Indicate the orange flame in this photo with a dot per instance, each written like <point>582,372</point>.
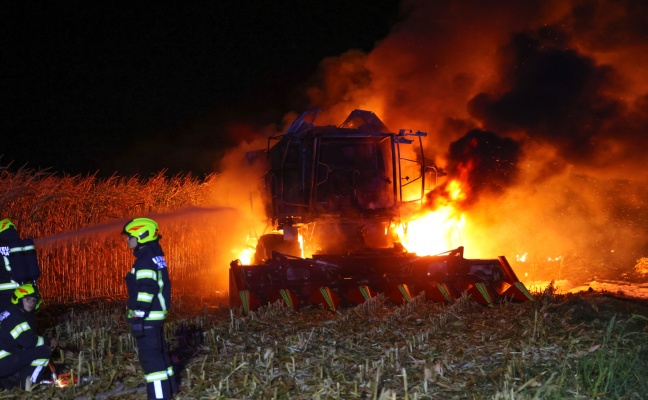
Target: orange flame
<point>435,231</point>
<point>432,233</point>
<point>246,254</point>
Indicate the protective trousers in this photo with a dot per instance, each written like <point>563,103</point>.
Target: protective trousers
<point>161,382</point>
<point>28,363</point>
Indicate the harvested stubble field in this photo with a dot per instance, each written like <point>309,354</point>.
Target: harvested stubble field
<point>583,346</point>
<point>568,346</point>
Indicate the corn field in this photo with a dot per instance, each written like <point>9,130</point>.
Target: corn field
<point>76,223</point>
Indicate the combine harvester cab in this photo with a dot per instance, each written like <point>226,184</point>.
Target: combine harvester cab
<point>331,196</point>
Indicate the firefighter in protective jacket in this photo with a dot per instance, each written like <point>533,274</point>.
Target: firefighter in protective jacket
<point>23,354</point>
<point>18,262</point>
<point>149,298</point>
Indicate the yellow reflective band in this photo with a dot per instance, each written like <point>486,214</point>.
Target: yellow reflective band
<point>146,274</point>
<point>170,371</point>
<point>41,362</point>
<point>20,328</point>
<point>145,297</point>
<point>365,292</point>
<point>25,248</point>
<point>484,292</point>
<point>9,286</point>
<point>444,291</point>
<point>326,293</point>
<point>3,354</point>
<point>156,316</point>
<point>163,304</point>
<point>405,292</point>
<point>286,296</point>
<point>156,376</point>
<point>40,341</point>
<point>524,290</point>
<point>7,263</point>
<point>245,300</point>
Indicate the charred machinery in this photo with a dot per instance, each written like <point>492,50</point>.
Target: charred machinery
<point>331,196</point>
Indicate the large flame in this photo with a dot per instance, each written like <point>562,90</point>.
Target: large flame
<point>577,184</point>
<point>245,254</point>
<point>432,233</point>
<point>435,230</point>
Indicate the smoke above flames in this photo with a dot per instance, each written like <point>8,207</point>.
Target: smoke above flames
<point>540,108</point>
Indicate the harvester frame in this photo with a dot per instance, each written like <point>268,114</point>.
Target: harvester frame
<point>339,189</point>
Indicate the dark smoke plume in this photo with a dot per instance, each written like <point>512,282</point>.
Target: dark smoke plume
<point>541,107</point>
<point>484,162</point>
<point>558,96</point>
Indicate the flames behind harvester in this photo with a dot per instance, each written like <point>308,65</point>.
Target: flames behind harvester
<point>334,193</point>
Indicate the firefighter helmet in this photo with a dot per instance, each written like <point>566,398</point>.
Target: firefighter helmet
<point>144,229</point>
<point>27,290</point>
<point>6,224</point>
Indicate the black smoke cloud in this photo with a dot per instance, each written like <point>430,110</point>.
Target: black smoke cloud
<point>585,135</point>
<point>484,162</point>
<point>555,95</point>
<point>541,107</point>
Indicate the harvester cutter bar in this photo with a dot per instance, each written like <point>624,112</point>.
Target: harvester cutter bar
<point>351,278</point>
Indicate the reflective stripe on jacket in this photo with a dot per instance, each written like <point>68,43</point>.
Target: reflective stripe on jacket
<point>148,284</point>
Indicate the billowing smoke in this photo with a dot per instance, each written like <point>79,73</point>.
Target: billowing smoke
<point>238,186</point>
<point>484,162</point>
<point>541,107</point>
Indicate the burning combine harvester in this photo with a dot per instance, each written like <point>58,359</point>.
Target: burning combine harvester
<point>335,194</point>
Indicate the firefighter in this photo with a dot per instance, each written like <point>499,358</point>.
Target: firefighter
<point>18,262</point>
<point>149,298</point>
<point>23,354</point>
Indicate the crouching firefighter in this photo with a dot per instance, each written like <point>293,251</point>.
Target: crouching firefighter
<point>23,354</point>
<point>18,262</point>
<point>149,297</point>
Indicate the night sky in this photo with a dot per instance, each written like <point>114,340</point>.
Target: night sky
<point>136,89</point>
